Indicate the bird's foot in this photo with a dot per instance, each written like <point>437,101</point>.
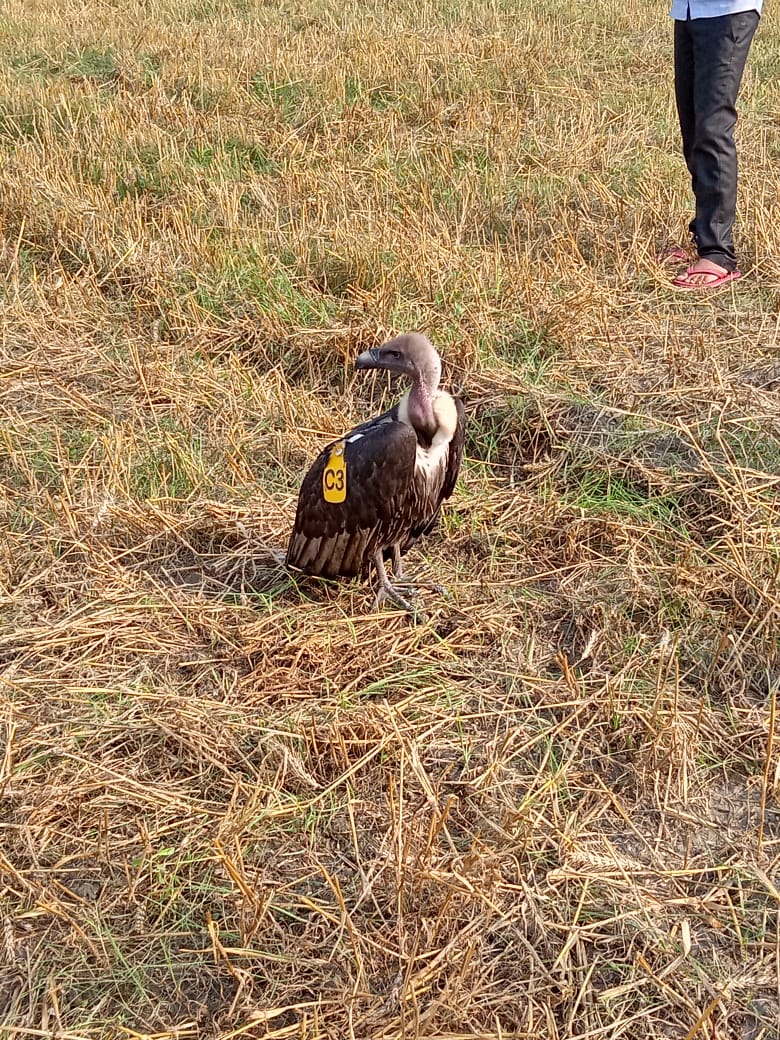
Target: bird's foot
<point>440,590</point>
<point>401,581</point>
<point>389,592</point>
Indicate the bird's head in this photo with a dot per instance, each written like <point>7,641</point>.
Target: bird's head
<point>412,355</point>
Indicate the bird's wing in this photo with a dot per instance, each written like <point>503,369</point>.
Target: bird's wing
<point>354,500</point>
<point>456,451</point>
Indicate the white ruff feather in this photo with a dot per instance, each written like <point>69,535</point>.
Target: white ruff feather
<point>433,461</point>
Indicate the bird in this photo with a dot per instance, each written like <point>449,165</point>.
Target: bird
<point>372,493</point>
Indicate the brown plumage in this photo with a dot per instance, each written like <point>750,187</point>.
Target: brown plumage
<point>370,495</point>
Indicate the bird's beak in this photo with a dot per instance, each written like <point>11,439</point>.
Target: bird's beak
<point>368,359</point>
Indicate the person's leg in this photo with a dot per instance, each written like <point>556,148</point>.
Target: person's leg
<point>686,114</point>
<point>683,90</point>
<point>720,47</point>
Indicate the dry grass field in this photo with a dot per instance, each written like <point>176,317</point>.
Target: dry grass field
<point>235,803</point>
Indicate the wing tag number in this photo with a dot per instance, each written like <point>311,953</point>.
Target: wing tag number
<point>334,477</point>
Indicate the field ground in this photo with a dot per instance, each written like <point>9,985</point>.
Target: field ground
<point>236,804</point>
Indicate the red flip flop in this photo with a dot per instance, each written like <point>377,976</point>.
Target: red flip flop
<point>715,281</point>
<point>672,255</point>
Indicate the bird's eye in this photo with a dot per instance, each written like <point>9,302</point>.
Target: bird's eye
<point>395,354</point>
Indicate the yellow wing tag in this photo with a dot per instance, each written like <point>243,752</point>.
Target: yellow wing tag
<point>334,477</point>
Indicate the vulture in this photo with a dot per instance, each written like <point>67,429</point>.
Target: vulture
<point>371,494</point>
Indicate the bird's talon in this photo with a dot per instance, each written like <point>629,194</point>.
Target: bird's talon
<point>391,593</point>
<point>408,589</point>
<point>414,590</point>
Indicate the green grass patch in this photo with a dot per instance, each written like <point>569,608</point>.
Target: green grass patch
<point>598,491</point>
<point>90,63</point>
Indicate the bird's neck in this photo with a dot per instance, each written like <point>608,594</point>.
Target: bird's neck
<point>420,408</point>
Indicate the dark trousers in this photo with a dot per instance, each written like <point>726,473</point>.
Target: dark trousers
<point>709,59</point>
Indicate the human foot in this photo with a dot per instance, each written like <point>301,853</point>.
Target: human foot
<point>704,274</point>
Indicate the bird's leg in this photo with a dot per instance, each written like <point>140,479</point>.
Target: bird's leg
<point>411,587</point>
<point>399,573</point>
<point>398,567</point>
<point>387,590</point>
